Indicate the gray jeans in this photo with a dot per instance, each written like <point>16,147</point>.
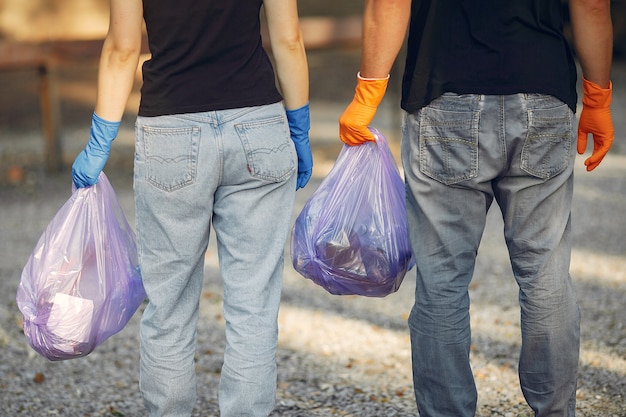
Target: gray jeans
<point>459,153</point>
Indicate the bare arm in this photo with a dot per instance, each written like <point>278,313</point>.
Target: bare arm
<point>385,24</point>
<point>593,38</point>
<point>288,49</point>
<point>119,58</point>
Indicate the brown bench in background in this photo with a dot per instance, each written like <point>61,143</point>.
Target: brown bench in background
<point>46,57</point>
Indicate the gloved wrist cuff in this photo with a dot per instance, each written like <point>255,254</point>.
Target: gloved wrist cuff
<point>595,96</point>
<point>370,92</point>
<point>300,110</point>
<point>360,77</point>
<point>299,121</point>
<point>97,119</point>
<point>104,130</point>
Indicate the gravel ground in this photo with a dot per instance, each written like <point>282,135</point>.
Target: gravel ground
<point>338,356</point>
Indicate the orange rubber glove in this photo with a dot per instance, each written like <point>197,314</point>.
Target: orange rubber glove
<point>354,122</point>
<point>595,118</point>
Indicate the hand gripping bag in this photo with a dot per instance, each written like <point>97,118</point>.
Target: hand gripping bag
<point>351,236</point>
<point>81,283</point>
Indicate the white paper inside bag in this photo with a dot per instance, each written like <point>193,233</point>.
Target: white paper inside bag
<point>70,319</point>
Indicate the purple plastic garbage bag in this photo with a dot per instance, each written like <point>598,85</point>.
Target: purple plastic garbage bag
<point>81,283</point>
<point>351,236</point>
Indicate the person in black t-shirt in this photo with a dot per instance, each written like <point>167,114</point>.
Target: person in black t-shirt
<point>217,145</point>
<point>489,91</point>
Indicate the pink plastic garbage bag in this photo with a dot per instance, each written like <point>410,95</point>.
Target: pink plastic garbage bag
<point>351,236</point>
<point>81,283</point>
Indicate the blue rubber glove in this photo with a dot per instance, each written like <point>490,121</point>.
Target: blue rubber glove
<point>299,123</point>
<point>90,162</point>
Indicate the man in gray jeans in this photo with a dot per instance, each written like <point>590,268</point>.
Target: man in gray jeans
<point>489,91</point>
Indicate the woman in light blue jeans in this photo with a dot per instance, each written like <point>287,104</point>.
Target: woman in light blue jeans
<point>221,141</point>
<point>459,154</point>
<point>234,169</point>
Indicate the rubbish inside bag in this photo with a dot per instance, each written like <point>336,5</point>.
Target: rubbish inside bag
<point>82,282</point>
<point>351,236</point>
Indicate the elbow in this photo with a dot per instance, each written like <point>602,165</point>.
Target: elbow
<point>121,52</point>
<point>600,6</point>
<point>592,7</point>
<point>291,43</point>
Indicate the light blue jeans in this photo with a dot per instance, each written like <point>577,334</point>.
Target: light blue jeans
<point>235,169</point>
<point>459,153</point>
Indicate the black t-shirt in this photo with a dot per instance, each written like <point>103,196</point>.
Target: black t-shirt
<point>493,47</point>
<point>206,55</point>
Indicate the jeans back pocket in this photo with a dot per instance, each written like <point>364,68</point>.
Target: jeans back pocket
<point>269,151</point>
<point>548,147</point>
<point>171,155</point>
<point>448,144</point>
